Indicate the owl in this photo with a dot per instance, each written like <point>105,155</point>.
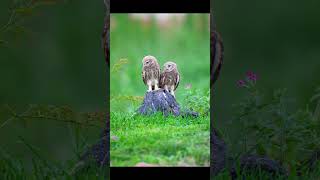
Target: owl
<point>170,77</point>
<point>150,72</point>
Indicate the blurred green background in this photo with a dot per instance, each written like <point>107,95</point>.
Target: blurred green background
<point>182,38</point>
<point>53,56</point>
<point>278,40</point>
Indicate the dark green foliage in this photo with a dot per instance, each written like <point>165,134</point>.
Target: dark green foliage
<point>253,175</point>
<point>19,11</point>
<point>273,126</point>
<point>39,164</point>
<point>12,167</point>
<point>197,100</point>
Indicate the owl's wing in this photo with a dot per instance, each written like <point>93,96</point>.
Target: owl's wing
<point>161,82</point>
<point>158,71</point>
<point>177,80</point>
<point>144,77</point>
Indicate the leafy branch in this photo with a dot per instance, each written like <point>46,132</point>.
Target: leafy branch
<point>18,13</point>
<point>118,65</point>
<point>56,113</point>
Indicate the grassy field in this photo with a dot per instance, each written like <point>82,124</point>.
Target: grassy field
<point>13,168</point>
<point>160,141</point>
<point>155,139</point>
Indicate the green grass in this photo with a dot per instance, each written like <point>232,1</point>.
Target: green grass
<point>29,159</point>
<point>14,167</point>
<point>312,175</point>
<point>163,141</point>
<point>293,174</point>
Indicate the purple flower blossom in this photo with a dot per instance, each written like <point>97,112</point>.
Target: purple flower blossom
<point>251,76</point>
<point>249,81</point>
<point>241,83</point>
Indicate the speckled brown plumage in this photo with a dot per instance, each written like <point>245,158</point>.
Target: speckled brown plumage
<point>150,72</point>
<point>170,77</point>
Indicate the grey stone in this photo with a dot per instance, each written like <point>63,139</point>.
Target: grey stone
<point>162,101</point>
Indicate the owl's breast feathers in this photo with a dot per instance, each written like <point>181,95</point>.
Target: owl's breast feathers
<point>150,73</point>
<point>169,79</point>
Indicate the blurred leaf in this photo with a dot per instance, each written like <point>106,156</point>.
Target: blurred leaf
<point>261,149</point>
<point>24,10</point>
<point>2,42</point>
<point>18,29</point>
<point>46,2</point>
<point>315,97</point>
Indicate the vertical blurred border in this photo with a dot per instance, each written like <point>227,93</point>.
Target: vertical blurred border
<point>216,61</point>
<point>106,47</point>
